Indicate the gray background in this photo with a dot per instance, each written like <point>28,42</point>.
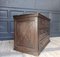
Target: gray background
<point>8,8</point>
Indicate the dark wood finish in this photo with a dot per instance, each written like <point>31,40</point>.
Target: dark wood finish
<point>31,33</point>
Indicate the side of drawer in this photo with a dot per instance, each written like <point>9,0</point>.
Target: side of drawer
<point>43,43</point>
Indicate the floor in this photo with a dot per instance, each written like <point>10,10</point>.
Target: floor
<point>51,50</point>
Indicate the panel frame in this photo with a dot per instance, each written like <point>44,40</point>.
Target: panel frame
<point>6,14</point>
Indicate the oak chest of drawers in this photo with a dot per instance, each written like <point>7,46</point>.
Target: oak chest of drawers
<point>31,33</point>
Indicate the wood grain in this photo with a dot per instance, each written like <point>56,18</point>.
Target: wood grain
<point>31,33</point>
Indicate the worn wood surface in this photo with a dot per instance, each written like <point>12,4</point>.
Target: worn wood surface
<point>31,33</point>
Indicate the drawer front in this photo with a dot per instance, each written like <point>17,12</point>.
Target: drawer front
<point>43,33</point>
<point>43,43</point>
<point>43,23</point>
<point>42,36</point>
<point>44,30</point>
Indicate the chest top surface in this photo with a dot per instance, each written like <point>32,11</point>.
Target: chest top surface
<point>30,15</point>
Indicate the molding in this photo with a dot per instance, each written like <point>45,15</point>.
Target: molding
<point>1,39</point>
<point>5,13</point>
<point>30,9</point>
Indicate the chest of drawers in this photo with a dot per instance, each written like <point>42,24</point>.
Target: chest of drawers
<point>31,33</point>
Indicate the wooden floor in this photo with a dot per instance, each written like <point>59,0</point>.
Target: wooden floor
<point>51,50</point>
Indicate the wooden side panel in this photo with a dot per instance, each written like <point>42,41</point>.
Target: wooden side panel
<point>26,36</point>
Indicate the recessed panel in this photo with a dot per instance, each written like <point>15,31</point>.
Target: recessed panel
<point>12,27</point>
<point>3,35</point>
<point>3,14</point>
<point>3,27</point>
<point>15,13</point>
<point>26,32</point>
